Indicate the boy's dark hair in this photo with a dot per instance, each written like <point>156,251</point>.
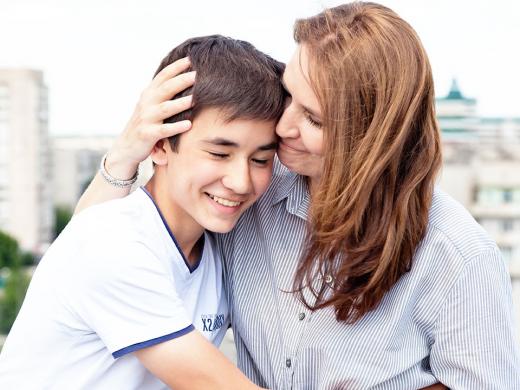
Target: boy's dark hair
<point>232,75</point>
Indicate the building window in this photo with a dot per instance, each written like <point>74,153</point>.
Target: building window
<point>4,174</point>
<point>507,253</point>
<point>507,225</point>
<point>516,195</point>
<point>495,196</point>
<point>4,90</point>
<point>492,225</point>
<point>508,195</point>
<point>490,196</point>
<point>4,102</point>
<point>4,210</point>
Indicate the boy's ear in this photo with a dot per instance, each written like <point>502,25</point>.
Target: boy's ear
<point>159,153</point>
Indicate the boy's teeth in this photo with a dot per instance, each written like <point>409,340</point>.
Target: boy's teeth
<point>224,202</point>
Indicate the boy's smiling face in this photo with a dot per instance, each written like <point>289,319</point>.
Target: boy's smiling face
<point>219,169</point>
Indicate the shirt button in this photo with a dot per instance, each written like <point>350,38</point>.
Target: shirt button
<point>328,279</point>
<point>288,363</point>
<point>301,316</point>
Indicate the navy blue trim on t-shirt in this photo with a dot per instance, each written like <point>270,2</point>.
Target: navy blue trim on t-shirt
<point>149,343</point>
<point>197,263</point>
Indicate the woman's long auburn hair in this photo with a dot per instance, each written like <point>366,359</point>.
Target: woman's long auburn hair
<point>382,153</point>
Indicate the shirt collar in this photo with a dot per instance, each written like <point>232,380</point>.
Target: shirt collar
<point>294,189</point>
<point>172,236</point>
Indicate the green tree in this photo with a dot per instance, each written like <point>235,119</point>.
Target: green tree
<point>27,258</point>
<point>13,279</point>
<point>10,254</point>
<point>12,298</point>
<point>63,215</point>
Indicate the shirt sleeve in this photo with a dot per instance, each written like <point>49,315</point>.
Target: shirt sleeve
<point>475,345</point>
<point>127,297</point>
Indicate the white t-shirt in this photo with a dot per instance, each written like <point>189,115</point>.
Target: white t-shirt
<point>113,282</point>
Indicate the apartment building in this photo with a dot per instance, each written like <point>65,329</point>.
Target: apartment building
<point>25,196</point>
<point>482,171</point>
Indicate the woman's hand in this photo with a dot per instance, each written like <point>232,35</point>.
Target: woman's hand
<point>146,126</point>
<point>143,130</point>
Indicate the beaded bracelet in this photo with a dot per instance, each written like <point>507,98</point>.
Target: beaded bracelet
<point>112,180</point>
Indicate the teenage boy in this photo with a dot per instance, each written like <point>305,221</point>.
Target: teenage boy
<point>130,295</point>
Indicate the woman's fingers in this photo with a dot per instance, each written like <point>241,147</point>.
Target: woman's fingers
<point>146,126</point>
<point>170,129</point>
<point>171,71</point>
<point>155,94</point>
<point>159,112</point>
<point>175,85</point>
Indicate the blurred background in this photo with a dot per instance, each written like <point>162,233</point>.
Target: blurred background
<point>71,72</point>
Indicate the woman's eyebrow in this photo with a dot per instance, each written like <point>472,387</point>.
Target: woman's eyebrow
<point>270,146</point>
<point>309,110</point>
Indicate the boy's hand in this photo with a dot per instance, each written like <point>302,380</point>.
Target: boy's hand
<point>437,386</point>
<point>146,125</point>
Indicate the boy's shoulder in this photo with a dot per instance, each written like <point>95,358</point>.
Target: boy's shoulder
<point>118,219</point>
<point>114,229</point>
<point>113,212</point>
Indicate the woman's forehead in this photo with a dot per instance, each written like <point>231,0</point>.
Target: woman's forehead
<point>297,81</point>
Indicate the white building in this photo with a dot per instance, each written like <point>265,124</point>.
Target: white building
<point>460,123</point>
<point>75,161</point>
<point>482,171</point>
<point>25,195</point>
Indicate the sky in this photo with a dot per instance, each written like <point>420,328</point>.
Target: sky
<point>98,55</point>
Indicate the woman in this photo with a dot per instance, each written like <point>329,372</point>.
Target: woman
<point>352,271</point>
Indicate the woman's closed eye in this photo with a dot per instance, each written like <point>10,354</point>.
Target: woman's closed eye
<point>313,121</point>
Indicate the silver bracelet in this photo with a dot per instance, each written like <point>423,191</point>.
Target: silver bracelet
<point>112,180</point>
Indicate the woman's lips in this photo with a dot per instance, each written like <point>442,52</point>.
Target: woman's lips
<point>284,145</point>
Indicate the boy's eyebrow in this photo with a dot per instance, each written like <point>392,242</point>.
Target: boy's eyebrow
<point>220,142</point>
<point>226,142</point>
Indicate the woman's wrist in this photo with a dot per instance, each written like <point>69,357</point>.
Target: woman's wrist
<point>120,167</point>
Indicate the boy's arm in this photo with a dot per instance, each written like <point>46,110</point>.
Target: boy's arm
<point>121,292</point>
<point>192,362</point>
<point>144,129</point>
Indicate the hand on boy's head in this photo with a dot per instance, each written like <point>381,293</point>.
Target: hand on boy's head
<point>146,126</point>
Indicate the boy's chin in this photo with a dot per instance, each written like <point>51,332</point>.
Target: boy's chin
<point>220,227</point>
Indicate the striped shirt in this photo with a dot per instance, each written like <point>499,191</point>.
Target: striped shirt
<point>449,319</point>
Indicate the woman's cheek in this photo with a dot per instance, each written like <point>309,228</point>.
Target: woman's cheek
<point>314,142</point>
